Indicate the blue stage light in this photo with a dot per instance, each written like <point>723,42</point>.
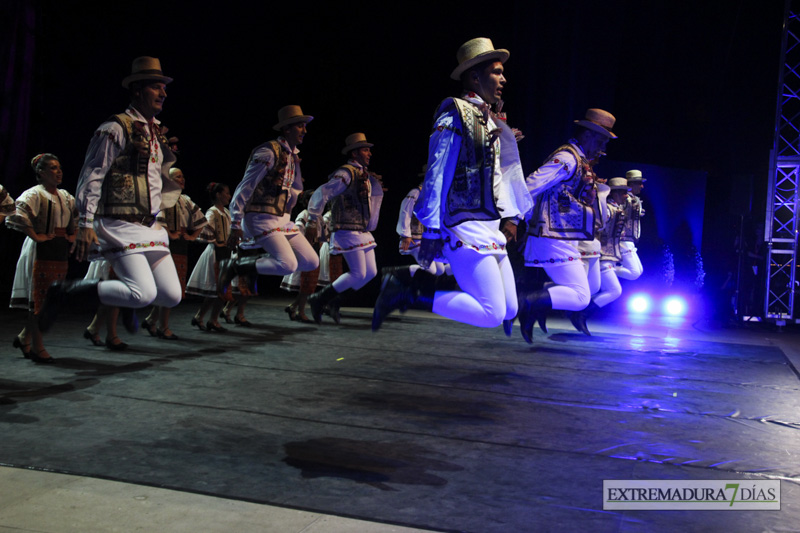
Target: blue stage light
<point>675,306</point>
<point>639,303</point>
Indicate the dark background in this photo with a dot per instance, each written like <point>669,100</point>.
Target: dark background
<point>693,86</point>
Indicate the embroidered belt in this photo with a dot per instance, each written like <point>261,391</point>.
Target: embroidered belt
<point>146,220</point>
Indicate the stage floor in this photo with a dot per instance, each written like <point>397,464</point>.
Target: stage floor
<point>426,424</point>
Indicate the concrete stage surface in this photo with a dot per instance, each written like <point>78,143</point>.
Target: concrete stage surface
<point>427,424</point>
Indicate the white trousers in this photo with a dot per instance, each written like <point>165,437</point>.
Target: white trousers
<point>286,255</point>
<point>610,289</point>
<point>631,267</point>
<point>571,290</point>
<point>362,268</point>
<point>144,279</point>
<point>488,293</point>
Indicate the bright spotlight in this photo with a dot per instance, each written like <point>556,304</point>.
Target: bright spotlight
<point>639,303</point>
<point>674,306</point>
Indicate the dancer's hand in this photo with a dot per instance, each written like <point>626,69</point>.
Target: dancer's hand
<point>84,240</point>
<point>405,243</point>
<point>235,238</point>
<point>429,250</point>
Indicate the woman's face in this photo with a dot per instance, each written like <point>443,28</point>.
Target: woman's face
<point>51,174</point>
<point>224,196</point>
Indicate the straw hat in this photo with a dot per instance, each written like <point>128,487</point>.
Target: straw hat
<point>618,183</point>
<point>599,121</point>
<point>145,68</point>
<point>289,115</point>
<point>355,140</point>
<point>477,51</point>
<point>635,175</point>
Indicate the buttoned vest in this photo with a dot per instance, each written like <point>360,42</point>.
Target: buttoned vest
<point>557,212</point>
<point>270,197</point>
<point>471,192</point>
<point>126,190</point>
<point>350,210</point>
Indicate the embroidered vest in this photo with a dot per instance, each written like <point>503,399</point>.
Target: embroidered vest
<point>126,190</point>
<point>350,210</point>
<point>609,235</point>
<point>269,197</point>
<point>557,212</point>
<point>471,192</point>
<point>633,222</point>
<point>416,227</point>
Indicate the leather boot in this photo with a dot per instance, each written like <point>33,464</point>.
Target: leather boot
<point>533,308</point>
<point>578,318</point>
<point>332,309</point>
<point>230,268</point>
<point>319,300</point>
<point>397,295</point>
<point>77,294</point>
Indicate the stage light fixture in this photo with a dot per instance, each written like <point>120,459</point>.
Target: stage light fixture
<point>639,303</point>
<point>675,306</point>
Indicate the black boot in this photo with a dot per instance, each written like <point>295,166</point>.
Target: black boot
<point>230,268</point>
<point>332,309</point>
<point>508,325</point>
<point>578,318</point>
<point>319,300</point>
<point>534,307</point>
<point>397,295</point>
<point>77,294</point>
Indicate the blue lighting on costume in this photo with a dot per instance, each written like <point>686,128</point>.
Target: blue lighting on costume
<point>675,306</point>
<point>639,303</point>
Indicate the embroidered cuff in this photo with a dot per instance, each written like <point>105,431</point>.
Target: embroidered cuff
<point>431,233</point>
<point>86,221</point>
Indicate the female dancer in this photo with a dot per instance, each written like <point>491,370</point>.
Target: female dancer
<point>46,214</point>
<point>203,281</point>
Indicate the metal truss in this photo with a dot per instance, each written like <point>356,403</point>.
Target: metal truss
<point>781,228</point>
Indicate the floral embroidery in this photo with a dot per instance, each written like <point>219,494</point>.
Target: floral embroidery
<point>555,260</point>
<point>354,247</point>
<point>135,246</point>
<point>279,230</point>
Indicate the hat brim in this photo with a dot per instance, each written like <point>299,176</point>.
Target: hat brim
<point>144,77</point>
<point>597,127</point>
<point>347,149</point>
<point>299,118</point>
<point>499,55</point>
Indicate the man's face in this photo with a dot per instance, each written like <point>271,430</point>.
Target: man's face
<point>593,143</point>
<point>636,187</point>
<point>362,155</point>
<point>149,99</point>
<point>490,83</point>
<point>294,133</point>
<point>618,195</point>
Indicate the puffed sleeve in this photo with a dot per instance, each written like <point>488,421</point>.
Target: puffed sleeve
<point>406,212</point>
<point>196,217</point>
<point>26,212</point>
<point>558,168</point>
<point>336,185</point>
<point>443,148</point>
<point>261,161</point>
<point>6,202</point>
<point>105,146</point>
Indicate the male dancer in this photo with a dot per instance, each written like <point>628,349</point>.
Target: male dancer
<point>472,198</point>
